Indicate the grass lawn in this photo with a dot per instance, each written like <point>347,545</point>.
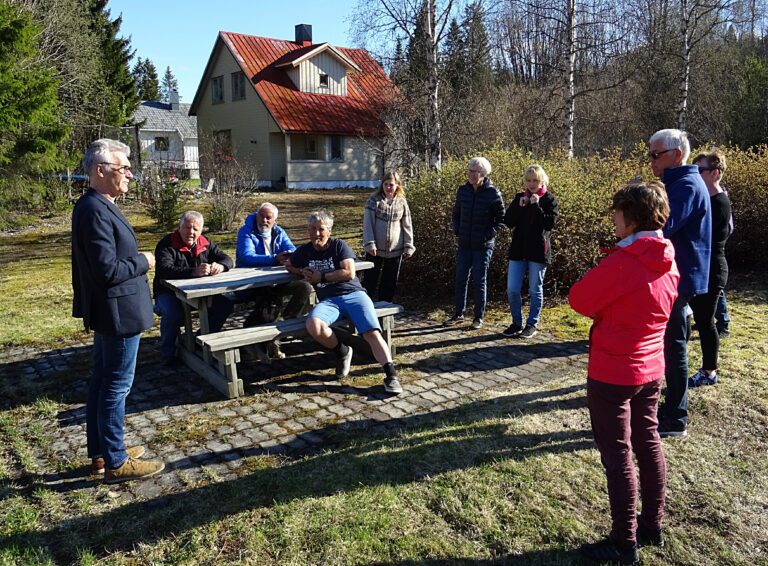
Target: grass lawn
<point>507,478</point>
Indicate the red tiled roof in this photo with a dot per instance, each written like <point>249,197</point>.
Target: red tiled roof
<point>368,91</point>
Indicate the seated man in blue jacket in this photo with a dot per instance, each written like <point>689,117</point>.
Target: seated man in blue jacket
<point>183,254</point>
<point>260,243</point>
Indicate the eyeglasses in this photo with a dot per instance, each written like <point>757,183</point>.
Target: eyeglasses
<point>654,155</point>
<point>477,171</point>
<point>118,167</point>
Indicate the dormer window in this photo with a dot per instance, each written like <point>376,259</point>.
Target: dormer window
<point>323,80</point>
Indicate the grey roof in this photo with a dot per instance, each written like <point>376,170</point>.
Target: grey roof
<point>159,116</point>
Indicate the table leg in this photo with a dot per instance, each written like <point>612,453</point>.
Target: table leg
<point>205,325</point>
<point>189,335</point>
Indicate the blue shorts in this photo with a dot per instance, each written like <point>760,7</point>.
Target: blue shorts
<point>356,306</point>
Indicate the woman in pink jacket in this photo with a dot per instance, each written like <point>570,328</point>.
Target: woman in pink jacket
<point>629,295</point>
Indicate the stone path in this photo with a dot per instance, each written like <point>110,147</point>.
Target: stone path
<point>292,406</point>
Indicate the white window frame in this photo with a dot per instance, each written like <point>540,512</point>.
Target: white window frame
<point>327,81</point>
<point>238,86</point>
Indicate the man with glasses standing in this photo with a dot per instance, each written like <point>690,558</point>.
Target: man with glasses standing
<point>689,227</point>
<point>111,295</point>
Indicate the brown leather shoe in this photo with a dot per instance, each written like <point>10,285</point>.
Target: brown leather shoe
<point>133,470</point>
<point>97,464</point>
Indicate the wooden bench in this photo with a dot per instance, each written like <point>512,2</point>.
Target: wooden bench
<point>224,346</point>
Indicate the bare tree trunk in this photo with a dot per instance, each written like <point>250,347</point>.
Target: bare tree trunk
<point>434,137</point>
<point>571,87</point>
<point>682,115</point>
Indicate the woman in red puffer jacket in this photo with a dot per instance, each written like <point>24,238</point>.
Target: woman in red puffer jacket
<point>630,295</point>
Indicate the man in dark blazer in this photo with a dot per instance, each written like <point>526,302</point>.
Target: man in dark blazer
<point>111,295</point>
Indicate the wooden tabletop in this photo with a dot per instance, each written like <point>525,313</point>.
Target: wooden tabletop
<point>238,279</point>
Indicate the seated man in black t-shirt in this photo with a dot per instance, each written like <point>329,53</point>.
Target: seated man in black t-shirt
<point>329,265</point>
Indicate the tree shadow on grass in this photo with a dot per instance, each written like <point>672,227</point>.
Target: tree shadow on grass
<point>530,558</point>
<point>368,453</point>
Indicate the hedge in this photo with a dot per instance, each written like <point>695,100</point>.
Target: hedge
<point>583,187</point>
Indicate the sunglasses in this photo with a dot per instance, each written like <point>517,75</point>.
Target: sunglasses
<point>705,169</point>
<point>653,156</point>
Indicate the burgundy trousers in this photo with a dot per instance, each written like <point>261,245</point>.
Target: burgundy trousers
<point>624,420</point>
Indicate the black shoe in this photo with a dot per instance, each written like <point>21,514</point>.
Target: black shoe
<point>512,330</point>
<point>671,430</point>
<point>724,333</point>
<point>454,320</point>
<point>343,364</point>
<point>607,551</point>
<point>647,536</point>
<point>392,385</point>
<point>529,331</point>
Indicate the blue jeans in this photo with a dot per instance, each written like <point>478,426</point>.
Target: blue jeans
<point>474,262</point>
<point>676,371</point>
<point>722,320</point>
<point>171,313</point>
<point>114,363</point>
<point>515,274</point>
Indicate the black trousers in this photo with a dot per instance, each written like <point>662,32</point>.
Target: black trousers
<point>703,307</point>
<point>383,276</point>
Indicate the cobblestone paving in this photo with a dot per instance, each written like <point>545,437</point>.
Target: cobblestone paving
<point>291,406</point>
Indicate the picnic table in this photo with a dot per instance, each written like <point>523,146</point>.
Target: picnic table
<point>218,365</point>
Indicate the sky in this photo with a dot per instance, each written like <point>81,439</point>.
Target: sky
<point>181,33</point>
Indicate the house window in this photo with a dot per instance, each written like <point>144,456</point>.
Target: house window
<point>217,89</point>
<point>162,144</point>
<point>324,80</point>
<point>336,151</point>
<point>238,86</point>
<point>304,147</point>
<point>310,147</point>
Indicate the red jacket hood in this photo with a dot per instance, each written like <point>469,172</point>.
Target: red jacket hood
<point>657,254</point>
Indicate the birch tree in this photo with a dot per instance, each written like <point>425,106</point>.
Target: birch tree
<point>382,22</point>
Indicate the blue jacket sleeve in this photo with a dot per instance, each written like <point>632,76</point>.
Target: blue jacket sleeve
<point>456,218</point>
<point>247,253</point>
<point>284,243</point>
<point>680,207</point>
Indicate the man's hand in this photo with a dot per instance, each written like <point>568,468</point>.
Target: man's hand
<point>216,268</point>
<point>202,270</point>
<point>282,257</point>
<point>150,258</point>
<point>311,275</point>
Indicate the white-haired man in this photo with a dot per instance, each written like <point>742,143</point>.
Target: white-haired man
<point>261,242</point>
<point>111,295</point>
<point>689,227</point>
<point>329,265</point>
<point>183,254</point>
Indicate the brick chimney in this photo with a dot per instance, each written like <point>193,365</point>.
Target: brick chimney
<point>303,34</point>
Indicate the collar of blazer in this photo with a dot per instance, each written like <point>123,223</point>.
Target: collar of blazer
<point>112,207</point>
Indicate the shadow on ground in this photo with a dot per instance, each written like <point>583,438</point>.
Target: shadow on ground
<point>367,453</point>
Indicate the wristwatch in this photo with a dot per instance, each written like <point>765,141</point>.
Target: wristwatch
<point>322,278</point>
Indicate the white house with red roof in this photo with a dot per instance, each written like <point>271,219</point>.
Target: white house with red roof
<point>306,114</point>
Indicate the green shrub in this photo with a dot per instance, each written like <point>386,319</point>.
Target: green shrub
<point>583,187</point>
<point>160,195</point>
<point>24,200</point>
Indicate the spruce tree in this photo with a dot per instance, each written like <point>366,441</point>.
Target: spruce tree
<point>145,76</point>
<point>31,122</point>
<point>169,84</point>
<point>121,99</point>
